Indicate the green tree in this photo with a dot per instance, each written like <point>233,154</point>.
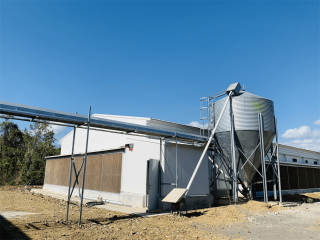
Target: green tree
<point>39,143</point>
<point>11,152</point>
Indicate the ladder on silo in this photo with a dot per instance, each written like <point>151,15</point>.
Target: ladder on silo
<point>205,115</point>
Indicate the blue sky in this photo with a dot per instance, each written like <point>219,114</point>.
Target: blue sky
<point>157,58</point>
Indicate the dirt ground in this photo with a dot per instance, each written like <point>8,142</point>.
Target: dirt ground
<point>251,220</point>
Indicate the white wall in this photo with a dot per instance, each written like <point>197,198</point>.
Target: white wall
<point>134,165</point>
<point>98,140</point>
<point>299,152</point>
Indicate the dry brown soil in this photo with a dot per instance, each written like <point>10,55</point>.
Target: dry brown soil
<point>97,223</point>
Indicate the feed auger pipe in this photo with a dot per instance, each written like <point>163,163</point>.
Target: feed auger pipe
<point>207,145</point>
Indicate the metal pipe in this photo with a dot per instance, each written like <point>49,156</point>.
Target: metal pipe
<point>70,176</point>
<point>77,119</point>
<point>207,145</point>
<point>233,157</point>
<point>265,190</point>
<point>278,162</point>
<point>85,165</point>
<point>273,175</point>
<point>176,162</point>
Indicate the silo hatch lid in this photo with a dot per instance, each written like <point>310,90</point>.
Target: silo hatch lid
<point>175,196</point>
<point>234,87</point>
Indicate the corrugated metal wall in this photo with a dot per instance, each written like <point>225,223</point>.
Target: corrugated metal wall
<point>103,172</point>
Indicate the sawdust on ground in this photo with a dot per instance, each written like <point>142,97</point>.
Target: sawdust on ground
<point>302,197</point>
<point>99,223</point>
<point>261,207</point>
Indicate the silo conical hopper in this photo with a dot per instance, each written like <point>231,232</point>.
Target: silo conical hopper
<point>245,108</point>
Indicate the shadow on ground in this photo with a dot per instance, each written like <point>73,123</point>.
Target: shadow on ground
<point>9,231</point>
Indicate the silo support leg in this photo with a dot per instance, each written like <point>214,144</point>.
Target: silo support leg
<point>278,161</point>
<point>273,174</point>
<point>264,180</point>
<point>234,166</point>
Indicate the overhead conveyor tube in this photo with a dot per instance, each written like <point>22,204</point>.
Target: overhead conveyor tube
<point>35,113</point>
<point>207,145</point>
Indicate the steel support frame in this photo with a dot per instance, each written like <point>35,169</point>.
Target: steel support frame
<point>274,161</point>
<point>85,166</point>
<point>273,173</point>
<point>159,183</point>
<point>73,167</point>
<point>264,178</point>
<point>70,176</point>
<point>233,157</point>
<point>278,160</point>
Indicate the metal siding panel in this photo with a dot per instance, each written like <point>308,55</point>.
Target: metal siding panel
<point>245,109</point>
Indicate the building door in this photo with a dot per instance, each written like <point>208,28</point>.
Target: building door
<point>152,184</point>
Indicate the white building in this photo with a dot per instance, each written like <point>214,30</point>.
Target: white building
<point>143,170</point>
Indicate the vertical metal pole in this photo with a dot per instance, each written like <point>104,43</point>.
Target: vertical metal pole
<point>85,165</point>
<point>214,176</point>
<point>233,156</point>
<point>264,180</point>
<point>71,163</point>
<point>176,161</point>
<point>273,174</point>
<point>160,169</point>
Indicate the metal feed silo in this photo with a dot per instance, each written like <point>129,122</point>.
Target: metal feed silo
<point>245,108</point>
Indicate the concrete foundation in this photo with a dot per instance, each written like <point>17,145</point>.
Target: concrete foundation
<point>131,199</point>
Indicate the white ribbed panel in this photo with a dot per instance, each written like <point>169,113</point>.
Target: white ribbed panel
<point>245,109</point>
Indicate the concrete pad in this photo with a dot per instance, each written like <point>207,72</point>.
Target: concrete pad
<point>10,214</point>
